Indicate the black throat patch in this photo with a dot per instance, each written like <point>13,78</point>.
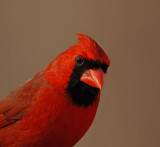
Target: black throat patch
<point>81,93</point>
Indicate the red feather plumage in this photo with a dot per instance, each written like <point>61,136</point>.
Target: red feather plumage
<point>40,112</point>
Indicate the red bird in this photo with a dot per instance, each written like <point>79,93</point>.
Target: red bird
<point>57,106</point>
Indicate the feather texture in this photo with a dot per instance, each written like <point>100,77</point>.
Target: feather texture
<point>54,108</point>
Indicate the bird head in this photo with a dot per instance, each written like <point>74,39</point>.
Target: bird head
<point>79,71</point>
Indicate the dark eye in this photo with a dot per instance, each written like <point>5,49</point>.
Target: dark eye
<point>79,60</point>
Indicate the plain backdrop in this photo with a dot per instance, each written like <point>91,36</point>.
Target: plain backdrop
<point>34,32</point>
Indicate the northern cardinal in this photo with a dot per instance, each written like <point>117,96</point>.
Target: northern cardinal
<point>57,106</point>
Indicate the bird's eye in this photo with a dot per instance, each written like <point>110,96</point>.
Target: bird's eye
<point>79,60</point>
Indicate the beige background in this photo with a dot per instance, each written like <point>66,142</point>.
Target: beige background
<point>34,32</point>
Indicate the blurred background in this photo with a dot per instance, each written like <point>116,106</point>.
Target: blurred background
<point>33,33</point>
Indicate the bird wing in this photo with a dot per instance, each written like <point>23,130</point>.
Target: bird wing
<point>13,107</point>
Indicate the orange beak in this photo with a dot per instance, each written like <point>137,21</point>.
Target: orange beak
<point>93,77</point>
